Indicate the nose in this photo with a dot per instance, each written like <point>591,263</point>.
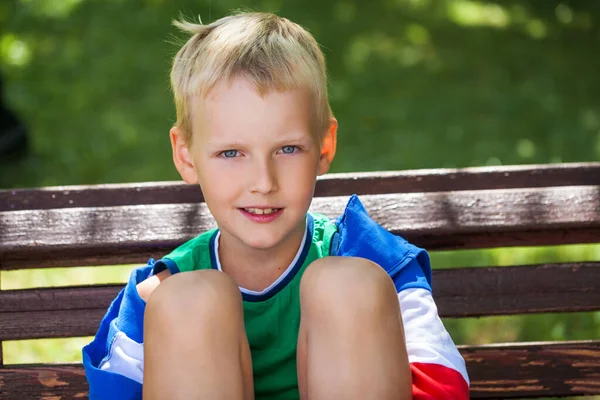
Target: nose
<point>264,177</point>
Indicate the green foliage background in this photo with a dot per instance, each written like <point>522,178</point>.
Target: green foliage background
<point>413,83</point>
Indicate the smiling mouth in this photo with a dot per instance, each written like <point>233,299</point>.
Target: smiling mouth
<point>261,211</point>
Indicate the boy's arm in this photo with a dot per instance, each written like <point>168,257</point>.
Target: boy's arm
<point>438,369</point>
<point>113,361</point>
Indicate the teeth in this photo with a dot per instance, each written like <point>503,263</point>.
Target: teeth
<point>261,211</point>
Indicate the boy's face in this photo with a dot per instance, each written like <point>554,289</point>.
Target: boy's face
<point>256,160</point>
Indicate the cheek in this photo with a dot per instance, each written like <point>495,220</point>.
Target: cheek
<point>215,181</point>
<point>299,178</point>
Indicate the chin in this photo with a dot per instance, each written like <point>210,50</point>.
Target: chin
<point>264,236</point>
<point>262,242</point>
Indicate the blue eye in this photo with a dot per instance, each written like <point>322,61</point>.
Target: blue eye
<point>288,149</point>
<point>229,153</point>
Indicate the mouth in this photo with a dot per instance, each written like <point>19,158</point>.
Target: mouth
<point>261,211</point>
<point>262,214</point>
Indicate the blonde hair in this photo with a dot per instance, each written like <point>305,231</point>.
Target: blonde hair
<point>272,52</point>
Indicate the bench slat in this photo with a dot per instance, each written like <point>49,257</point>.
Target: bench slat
<point>496,371</point>
<point>476,292</point>
<point>438,180</point>
<point>465,292</point>
<point>529,370</point>
<point>50,324</point>
<point>449,220</point>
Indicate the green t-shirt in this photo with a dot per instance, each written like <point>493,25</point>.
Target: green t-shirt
<point>271,317</point>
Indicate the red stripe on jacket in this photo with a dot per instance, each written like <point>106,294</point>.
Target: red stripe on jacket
<point>436,382</point>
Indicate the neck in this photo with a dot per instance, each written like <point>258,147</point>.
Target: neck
<point>256,269</point>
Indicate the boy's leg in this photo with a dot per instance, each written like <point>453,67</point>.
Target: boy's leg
<point>351,341</point>
<point>195,344</point>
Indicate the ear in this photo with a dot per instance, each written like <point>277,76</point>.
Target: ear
<point>181,156</point>
<point>328,146</point>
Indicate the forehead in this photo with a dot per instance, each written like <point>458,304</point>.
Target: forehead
<point>237,107</point>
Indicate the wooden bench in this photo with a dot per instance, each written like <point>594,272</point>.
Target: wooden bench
<point>436,209</point>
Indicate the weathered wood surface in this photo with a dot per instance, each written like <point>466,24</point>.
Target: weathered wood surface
<point>44,324</point>
<point>1,355</point>
<point>529,370</point>
<point>475,292</point>
<point>447,220</point>
<point>438,180</point>
<point>496,371</point>
<point>532,205</point>
<point>48,382</point>
<point>465,292</point>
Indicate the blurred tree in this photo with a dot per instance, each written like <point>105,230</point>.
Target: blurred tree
<point>445,83</point>
<point>13,135</point>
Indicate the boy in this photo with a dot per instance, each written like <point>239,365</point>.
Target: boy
<point>306,307</point>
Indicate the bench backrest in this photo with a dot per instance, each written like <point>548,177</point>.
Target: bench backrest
<point>435,209</point>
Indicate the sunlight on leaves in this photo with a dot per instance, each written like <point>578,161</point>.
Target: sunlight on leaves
<point>558,331</point>
<point>564,14</point>
<point>413,3</point>
<point>116,121</point>
<point>589,119</point>
<point>52,8</point>
<point>409,56</point>
<point>44,350</point>
<point>406,52</point>
<point>14,51</point>
<point>358,54</point>
<point>493,161</point>
<point>536,29</point>
<point>471,14</point>
<point>555,160</point>
<point>417,34</point>
<point>525,148</point>
<point>55,277</point>
<point>503,256</point>
<point>510,328</point>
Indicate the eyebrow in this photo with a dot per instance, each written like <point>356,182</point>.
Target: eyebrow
<point>292,139</point>
<point>224,144</point>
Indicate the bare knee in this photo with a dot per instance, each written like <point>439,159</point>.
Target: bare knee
<point>196,293</point>
<point>346,284</point>
<point>194,340</point>
<point>351,341</point>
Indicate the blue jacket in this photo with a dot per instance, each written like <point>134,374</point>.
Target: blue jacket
<point>358,236</point>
